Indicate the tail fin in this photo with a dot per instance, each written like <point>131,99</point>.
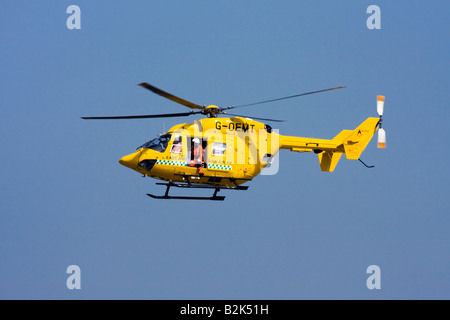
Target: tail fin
<point>353,141</point>
<point>328,160</point>
<point>357,141</point>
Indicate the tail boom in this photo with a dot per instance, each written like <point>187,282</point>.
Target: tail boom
<point>349,142</point>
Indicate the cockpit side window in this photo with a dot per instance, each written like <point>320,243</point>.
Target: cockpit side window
<point>177,146</point>
<point>158,144</point>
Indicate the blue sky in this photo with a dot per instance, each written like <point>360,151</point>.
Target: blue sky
<point>300,234</point>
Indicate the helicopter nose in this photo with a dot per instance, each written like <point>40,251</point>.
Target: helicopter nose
<point>130,161</point>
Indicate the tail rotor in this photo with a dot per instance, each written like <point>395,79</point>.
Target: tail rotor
<point>381,131</point>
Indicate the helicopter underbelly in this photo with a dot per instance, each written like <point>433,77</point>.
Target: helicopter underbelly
<point>220,175</point>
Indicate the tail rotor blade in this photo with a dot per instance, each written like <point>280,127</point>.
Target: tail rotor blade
<point>381,138</point>
<point>380,105</point>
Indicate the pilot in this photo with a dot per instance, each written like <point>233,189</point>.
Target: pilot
<point>197,161</point>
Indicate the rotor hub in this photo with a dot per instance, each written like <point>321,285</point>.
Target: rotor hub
<point>212,111</point>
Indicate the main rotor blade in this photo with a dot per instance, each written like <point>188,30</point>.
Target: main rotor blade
<point>171,96</point>
<point>264,119</point>
<point>284,98</point>
<point>168,115</point>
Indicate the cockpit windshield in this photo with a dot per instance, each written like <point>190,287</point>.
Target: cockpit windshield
<point>158,144</point>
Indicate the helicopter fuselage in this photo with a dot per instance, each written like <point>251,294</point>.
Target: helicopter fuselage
<point>235,150</point>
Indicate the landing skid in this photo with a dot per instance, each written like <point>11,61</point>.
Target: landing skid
<point>214,197</point>
<point>167,197</point>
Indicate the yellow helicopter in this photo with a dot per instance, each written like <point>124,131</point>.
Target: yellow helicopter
<point>225,152</point>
